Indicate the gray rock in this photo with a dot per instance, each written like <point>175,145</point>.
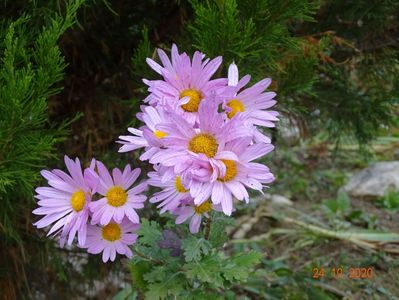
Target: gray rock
<point>280,200</point>
<point>274,198</point>
<point>374,181</point>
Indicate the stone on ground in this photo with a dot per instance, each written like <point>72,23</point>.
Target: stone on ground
<point>374,181</point>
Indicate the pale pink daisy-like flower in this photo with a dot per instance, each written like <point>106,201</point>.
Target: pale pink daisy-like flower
<point>111,239</point>
<point>253,102</point>
<point>195,214</point>
<point>147,136</point>
<point>237,176</point>
<point>173,191</point>
<point>119,199</point>
<point>186,83</point>
<point>185,144</point>
<point>198,170</point>
<point>66,202</point>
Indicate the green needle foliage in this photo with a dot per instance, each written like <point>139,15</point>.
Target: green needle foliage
<point>340,81</point>
<point>359,89</point>
<point>257,35</point>
<point>31,66</point>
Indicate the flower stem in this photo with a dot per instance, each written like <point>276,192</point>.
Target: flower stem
<point>208,227</point>
<point>153,260</point>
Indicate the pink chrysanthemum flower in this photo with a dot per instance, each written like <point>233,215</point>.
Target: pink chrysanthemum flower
<point>185,143</point>
<point>186,83</point>
<point>236,176</point>
<point>253,102</point>
<point>111,239</point>
<point>147,136</point>
<point>173,191</point>
<point>66,202</point>
<point>195,213</point>
<point>119,199</point>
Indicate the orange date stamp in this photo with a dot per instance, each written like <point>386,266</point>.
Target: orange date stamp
<point>343,273</point>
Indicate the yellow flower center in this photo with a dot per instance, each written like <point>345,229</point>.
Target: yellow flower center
<point>179,186</point>
<point>203,143</point>
<point>160,134</point>
<point>111,232</point>
<point>116,196</point>
<point>231,170</point>
<point>203,208</point>
<point>236,106</point>
<point>195,99</point>
<point>78,200</point>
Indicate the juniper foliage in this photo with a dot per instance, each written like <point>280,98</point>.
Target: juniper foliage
<point>358,90</point>
<point>342,81</point>
<point>31,66</point>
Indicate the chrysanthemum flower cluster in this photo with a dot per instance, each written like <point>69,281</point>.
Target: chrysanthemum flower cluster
<point>201,135</point>
<point>106,224</point>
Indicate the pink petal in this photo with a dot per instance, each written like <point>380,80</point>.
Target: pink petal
<point>112,254</point>
<point>195,223</point>
<point>117,175</point>
<point>104,174</point>
<point>132,215</point>
<point>129,179</point>
<point>227,202</point>
<point>233,75</point>
<point>106,254</point>
<point>184,214</point>
<point>107,216</point>
<point>155,66</point>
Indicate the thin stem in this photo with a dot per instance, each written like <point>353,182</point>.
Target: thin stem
<point>153,260</point>
<point>208,227</point>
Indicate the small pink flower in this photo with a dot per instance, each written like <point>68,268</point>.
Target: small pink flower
<point>195,213</point>
<point>111,239</point>
<point>253,102</point>
<point>119,199</point>
<point>185,144</point>
<point>173,191</point>
<point>147,136</point>
<point>66,202</point>
<point>237,176</point>
<point>185,83</point>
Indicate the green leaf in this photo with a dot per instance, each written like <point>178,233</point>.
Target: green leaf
<point>316,293</point>
<point>340,205</point>
<point>390,200</point>
<point>218,235</point>
<point>356,214</point>
<point>239,266</point>
<point>331,205</point>
<point>156,291</point>
<point>207,270</point>
<point>247,259</point>
<point>197,294</point>
<point>173,285</point>
<point>343,202</point>
<point>126,294</point>
<point>193,248</point>
<point>137,271</point>
<point>149,232</point>
<point>157,274</point>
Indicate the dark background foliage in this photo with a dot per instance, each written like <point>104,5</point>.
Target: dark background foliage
<point>333,64</point>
